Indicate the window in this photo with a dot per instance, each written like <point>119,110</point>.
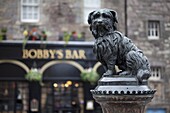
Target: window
<point>89,6</point>
<point>155,73</point>
<point>30,10</point>
<point>153,30</point>
<point>14,97</point>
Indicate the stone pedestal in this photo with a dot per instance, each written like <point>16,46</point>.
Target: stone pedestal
<point>122,94</point>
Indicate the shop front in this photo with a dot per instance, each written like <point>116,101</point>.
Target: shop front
<point>61,89</point>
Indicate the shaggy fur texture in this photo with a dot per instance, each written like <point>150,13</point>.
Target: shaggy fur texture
<point>112,48</point>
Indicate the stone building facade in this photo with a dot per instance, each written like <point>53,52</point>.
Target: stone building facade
<point>55,17</point>
<point>148,25</point>
<point>141,17</point>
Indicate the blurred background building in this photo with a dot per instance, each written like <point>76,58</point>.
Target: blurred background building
<point>62,25</point>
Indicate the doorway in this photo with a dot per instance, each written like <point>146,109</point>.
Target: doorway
<point>62,97</point>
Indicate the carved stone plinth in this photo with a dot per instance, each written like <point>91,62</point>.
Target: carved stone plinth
<point>122,94</point>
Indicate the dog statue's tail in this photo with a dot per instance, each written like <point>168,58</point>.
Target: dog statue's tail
<point>143,74</point>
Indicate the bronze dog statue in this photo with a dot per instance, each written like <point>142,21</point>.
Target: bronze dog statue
<point>112,48</point>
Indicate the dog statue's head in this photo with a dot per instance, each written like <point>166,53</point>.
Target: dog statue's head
<point>102,22</point>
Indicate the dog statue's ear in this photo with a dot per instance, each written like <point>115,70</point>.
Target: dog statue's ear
<point>115,17</point>
<point>89,17</point>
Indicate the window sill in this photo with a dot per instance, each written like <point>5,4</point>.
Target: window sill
<point>153,38</point>
<point>30,23</point>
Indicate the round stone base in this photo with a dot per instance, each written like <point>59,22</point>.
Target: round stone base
<point>123,103</point>
<point>122,94</point>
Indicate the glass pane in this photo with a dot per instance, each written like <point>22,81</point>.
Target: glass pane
<point>30,16</point>
<point>156,32</point>
<point>35,16</point>
<point>30,1</point>
<point>36,9</point>
<point>156,25</point>
<point>35,13</point>
<point>47,98</point>
<point>35,1</point>
<point>153,24</point>
<point>24,12</point>
<point>24,1</point>
<point>157,72</point>
<point>153,72</point>
<point>92,3</point>
<point>29,9</point>
<point>157,29</point>
<point>22,98</point>
<point>24,9</point>
<point>7,96</point>
<point>32,9</point>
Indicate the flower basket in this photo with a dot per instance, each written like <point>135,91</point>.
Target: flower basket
<point>34,75</point>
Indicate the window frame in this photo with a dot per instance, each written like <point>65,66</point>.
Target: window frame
<point>156,73</point>
<point>87,9</point>
<point>28,4</point>
<point>153,29</point>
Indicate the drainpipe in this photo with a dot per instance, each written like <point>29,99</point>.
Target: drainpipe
<point>125,11</point>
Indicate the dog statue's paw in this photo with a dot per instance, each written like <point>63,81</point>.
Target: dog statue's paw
<point>125,73</point>
<point>108,73</point>
<point>143,74</point>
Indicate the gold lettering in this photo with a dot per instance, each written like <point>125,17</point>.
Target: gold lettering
<point>25,53</point>
<point>75,55</point>
<point>32,53</point>
<point>82,54</point>
<point>52,53</point>
<point>39,54</point>
<point>45,54</point>
<point>68,54</point>
<point>59,54</point>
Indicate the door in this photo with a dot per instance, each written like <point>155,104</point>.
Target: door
<point>62,97</point>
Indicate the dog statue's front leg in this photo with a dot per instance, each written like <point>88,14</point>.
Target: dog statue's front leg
<point>110,68</point>
<point>109,72</point>
<point>127,72</point>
